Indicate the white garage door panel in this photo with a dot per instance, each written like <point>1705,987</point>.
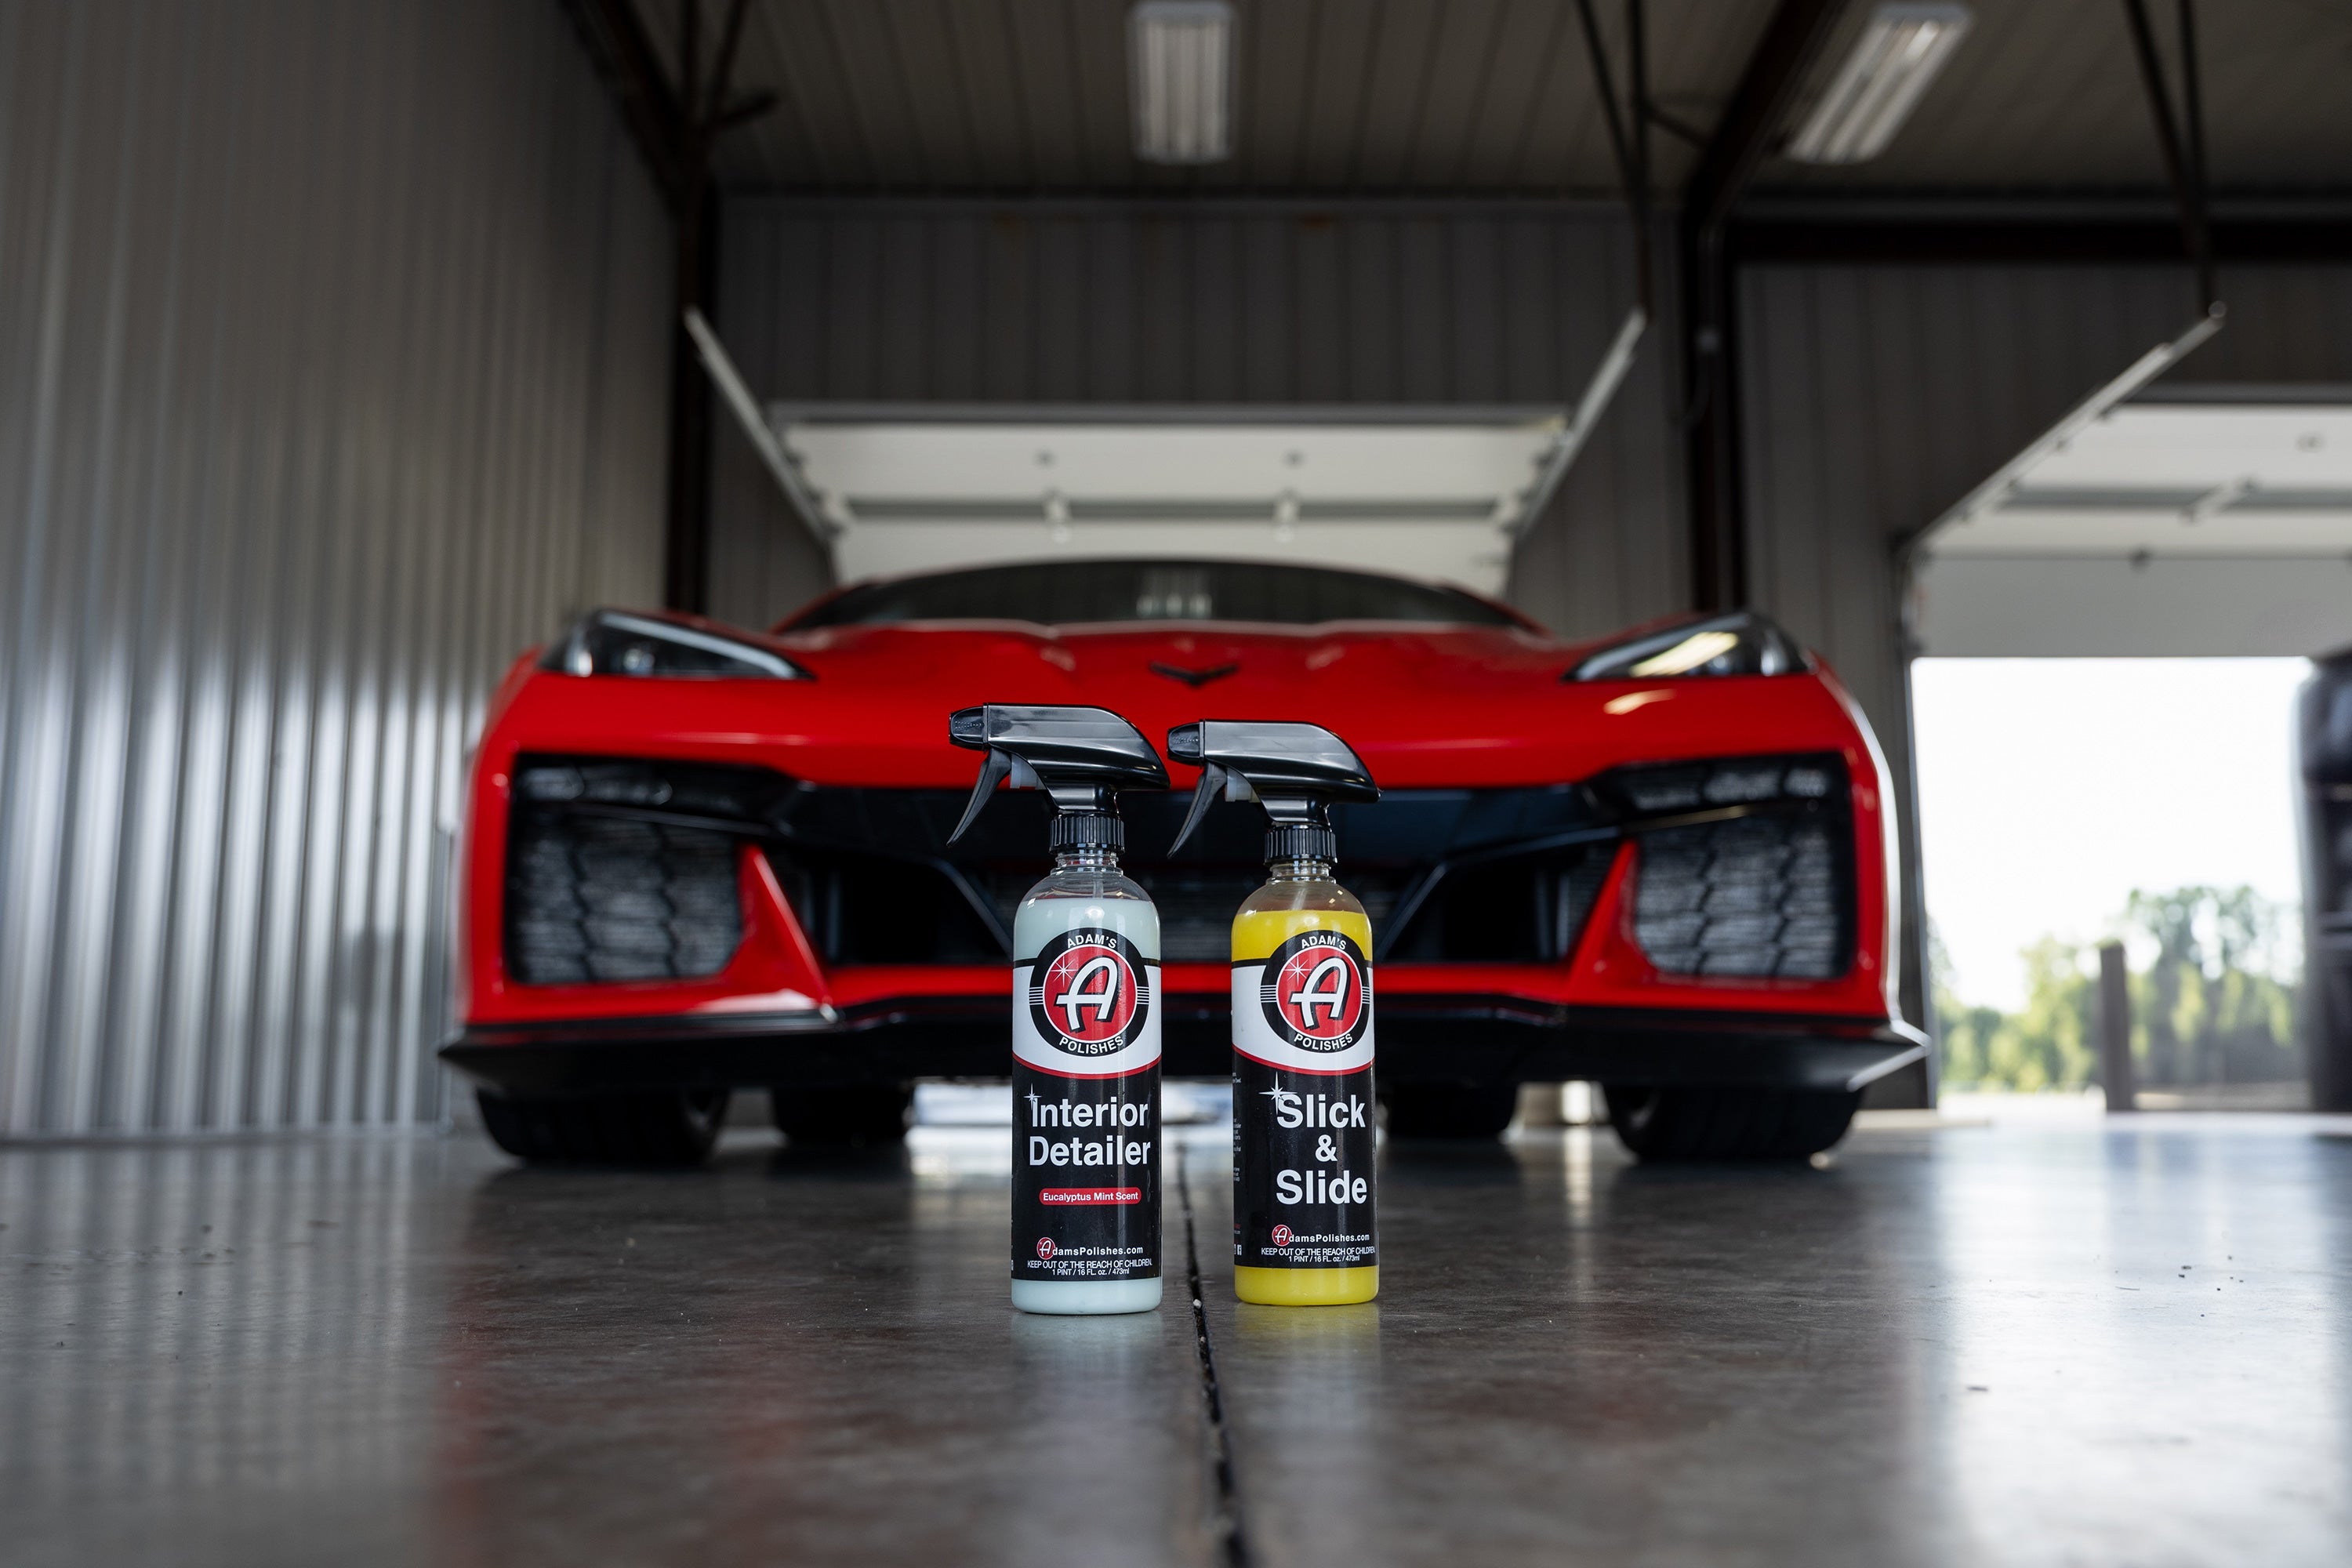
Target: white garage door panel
<point>1235,462</point>
<point>2285,446</point>
<point>2160,522</point>
<point>1471,556</point>
<point>1423,496</point>
<point>2178,477</point>
<point>2188,521</point>
<point>2165,607</point>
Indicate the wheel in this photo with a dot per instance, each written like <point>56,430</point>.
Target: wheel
<point>1728,1123</point>
<point>843,1112</point>
<point>661,1127</point>
<point>1449,1109</point>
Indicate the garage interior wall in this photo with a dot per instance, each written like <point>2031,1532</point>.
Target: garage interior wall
<point>1216,302</point>
<point>1874,396</point>
<point>333,370</point>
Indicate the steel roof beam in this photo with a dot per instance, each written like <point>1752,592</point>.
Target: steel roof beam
<point>1747,133</point>
<point>2183,141</point>
<point>675,126</point>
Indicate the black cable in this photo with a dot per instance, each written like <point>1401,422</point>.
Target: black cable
<point>2193,103</point>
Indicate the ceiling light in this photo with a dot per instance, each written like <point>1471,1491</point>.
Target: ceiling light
<point>1181,58</point>
<point>1900,51</point>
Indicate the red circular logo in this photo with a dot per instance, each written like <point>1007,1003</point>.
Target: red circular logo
<point>1046,1249</point>
<point>1318,992</point>
<point>1281,1235</point>
<point>1086,995</point>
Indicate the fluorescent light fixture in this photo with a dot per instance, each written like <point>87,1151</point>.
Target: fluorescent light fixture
<point>1181,58</point>
<point>1901,50</point>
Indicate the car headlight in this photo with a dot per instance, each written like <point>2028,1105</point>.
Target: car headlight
<point>1740,643</point>
<point>617,642</point>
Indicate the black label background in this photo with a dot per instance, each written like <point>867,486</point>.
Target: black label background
<point>1090,1242</point>
<point>1264,1147</point>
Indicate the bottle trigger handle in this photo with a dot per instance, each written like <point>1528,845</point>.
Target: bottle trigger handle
<point>1000,765</point>
<point>1215,779</point>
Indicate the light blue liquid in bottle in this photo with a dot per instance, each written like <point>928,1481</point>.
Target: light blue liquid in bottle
<point>1086,891</point>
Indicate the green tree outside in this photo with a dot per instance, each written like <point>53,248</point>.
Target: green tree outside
<point>2210,1007</point>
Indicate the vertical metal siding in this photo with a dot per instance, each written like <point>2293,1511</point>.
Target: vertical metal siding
<point>333,373</point>
<point>1875,396</point>
<point>1268,303</point>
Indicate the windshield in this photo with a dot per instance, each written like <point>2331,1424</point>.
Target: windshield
<point>1074,592</point>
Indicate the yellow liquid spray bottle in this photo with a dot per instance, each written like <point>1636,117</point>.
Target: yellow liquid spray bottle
<point>1305,1233</point>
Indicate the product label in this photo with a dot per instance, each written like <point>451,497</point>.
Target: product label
<point>1304,1134</point>
<point>1086,1111</point>
<point>1086,1006</point>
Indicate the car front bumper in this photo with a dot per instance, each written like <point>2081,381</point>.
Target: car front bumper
<point>1423,1039</point>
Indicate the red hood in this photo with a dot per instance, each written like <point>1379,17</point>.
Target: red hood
<point>1425,707</point>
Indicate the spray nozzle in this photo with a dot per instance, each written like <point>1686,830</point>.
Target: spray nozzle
<point>1080,756</point>
<point>1294,770</point>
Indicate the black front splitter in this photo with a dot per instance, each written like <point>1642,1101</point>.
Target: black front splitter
<point>1422,1040</point>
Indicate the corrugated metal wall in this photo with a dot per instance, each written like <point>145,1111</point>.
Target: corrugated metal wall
<point>1875,396</point>
<point>1209,303</point>
<point>332,372</point>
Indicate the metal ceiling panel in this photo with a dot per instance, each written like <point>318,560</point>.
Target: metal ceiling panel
<point>1366,96</point>
<point>1003,96</point>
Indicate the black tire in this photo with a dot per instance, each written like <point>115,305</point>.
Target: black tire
<point>661,1127</point>
<point>1449,1109</point>
<point>854,1113</point>
<point>1728,1123</point>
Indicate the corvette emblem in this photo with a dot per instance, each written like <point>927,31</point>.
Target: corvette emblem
<point>1195,678</point>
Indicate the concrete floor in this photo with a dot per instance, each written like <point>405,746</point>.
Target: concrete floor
<point>2004,1344</point>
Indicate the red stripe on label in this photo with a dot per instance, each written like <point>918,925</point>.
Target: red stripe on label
<point>1073,1197</point>
<point>1312,1072</point>
<point>1090,1077</point>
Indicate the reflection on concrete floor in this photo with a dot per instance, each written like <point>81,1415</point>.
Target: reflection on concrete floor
<point>2057,1343</point>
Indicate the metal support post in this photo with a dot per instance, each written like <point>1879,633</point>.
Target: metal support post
<point>2116,1029</point>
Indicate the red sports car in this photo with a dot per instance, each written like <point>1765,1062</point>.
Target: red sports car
<point>699,857</point>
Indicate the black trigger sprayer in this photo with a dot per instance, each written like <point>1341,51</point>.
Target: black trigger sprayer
<point>1304,1131</point>
<point>1086,1015</point>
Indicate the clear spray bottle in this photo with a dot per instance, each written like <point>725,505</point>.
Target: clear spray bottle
<point>1304,1128</point>
<point>1086,1015</point>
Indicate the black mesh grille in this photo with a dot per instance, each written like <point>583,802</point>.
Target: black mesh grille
<point>1447,875</point>
<point>1769,893</point>
<point>626,870</point>
<point>595,897</point>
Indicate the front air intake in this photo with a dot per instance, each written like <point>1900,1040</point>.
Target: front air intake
<point>622,870</point>
<point>1744,867</point>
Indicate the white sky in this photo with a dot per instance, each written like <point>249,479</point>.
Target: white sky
<point>2050,788</point>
